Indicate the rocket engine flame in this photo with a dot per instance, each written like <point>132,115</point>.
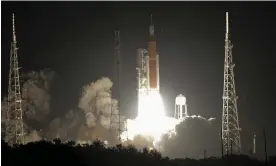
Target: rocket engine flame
<point>151,120</point>
<point>150,105</point>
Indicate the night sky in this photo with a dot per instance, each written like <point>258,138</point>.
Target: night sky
<point>75,39</point>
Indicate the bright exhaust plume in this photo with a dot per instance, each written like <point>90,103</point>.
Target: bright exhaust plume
<point>151,120</point>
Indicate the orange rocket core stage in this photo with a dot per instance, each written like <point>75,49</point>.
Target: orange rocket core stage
<point>152,64</point>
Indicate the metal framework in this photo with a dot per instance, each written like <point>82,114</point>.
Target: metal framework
<point>14,121</point>
<point>230,121</point>
<point>180,111</point>
<point>142,69</point>
<point>117,73</point>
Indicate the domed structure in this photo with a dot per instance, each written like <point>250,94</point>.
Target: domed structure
<point>180,107</point>
<point>180,99</point>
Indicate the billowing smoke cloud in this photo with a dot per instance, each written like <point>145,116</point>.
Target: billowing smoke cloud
<point>141,141</point>
<point>100,109</point>
<point>36,97</point>
<point>35,102</point>
<point>193,136</point>
<point>97,118</point>
<point>90,121</point>
<point>97,104</point>
<point>33,136</point>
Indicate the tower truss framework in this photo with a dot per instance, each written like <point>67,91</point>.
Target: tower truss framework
<point>230,121</point>
<point>14,121</point>
<point>121,124</point>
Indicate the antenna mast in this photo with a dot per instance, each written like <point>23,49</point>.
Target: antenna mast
<point>14,121</point>
<point>230,121</point>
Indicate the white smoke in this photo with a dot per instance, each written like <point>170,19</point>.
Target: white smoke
<point>71,119</point>
<point>98,105</point>
<point>97,111</point>
<point>90,119</point>
<point>192,136</point>
<point>32,137</point>
<point>35,92</point>
<point>53,130</point>
<point>189,138</point>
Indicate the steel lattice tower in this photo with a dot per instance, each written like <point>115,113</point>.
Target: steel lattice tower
<point>14,121</point>
<point>117,73</point>
<point>230,121</point>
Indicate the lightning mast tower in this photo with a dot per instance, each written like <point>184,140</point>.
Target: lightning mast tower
<point>14,122</point>
<point>117,56</point>
<point>230,121</point>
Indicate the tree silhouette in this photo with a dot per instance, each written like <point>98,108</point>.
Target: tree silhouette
<point>51,153</point>
<point>71,143</point>
<point>57,141</point>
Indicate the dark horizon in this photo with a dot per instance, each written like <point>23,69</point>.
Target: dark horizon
<point>75,39</point>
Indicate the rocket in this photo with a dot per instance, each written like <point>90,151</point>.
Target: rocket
<point>153,62</point>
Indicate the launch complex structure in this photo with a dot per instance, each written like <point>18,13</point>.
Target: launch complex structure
<point>148,65</point>
<point>14,122</point>
<point>117,84</point>
<point>231,140</point>
<point>148,82</point>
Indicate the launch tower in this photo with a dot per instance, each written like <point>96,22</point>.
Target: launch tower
<point>14,122</point>
<point>142,69</point>
<point>230,121</point>
<point>118,66</point>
